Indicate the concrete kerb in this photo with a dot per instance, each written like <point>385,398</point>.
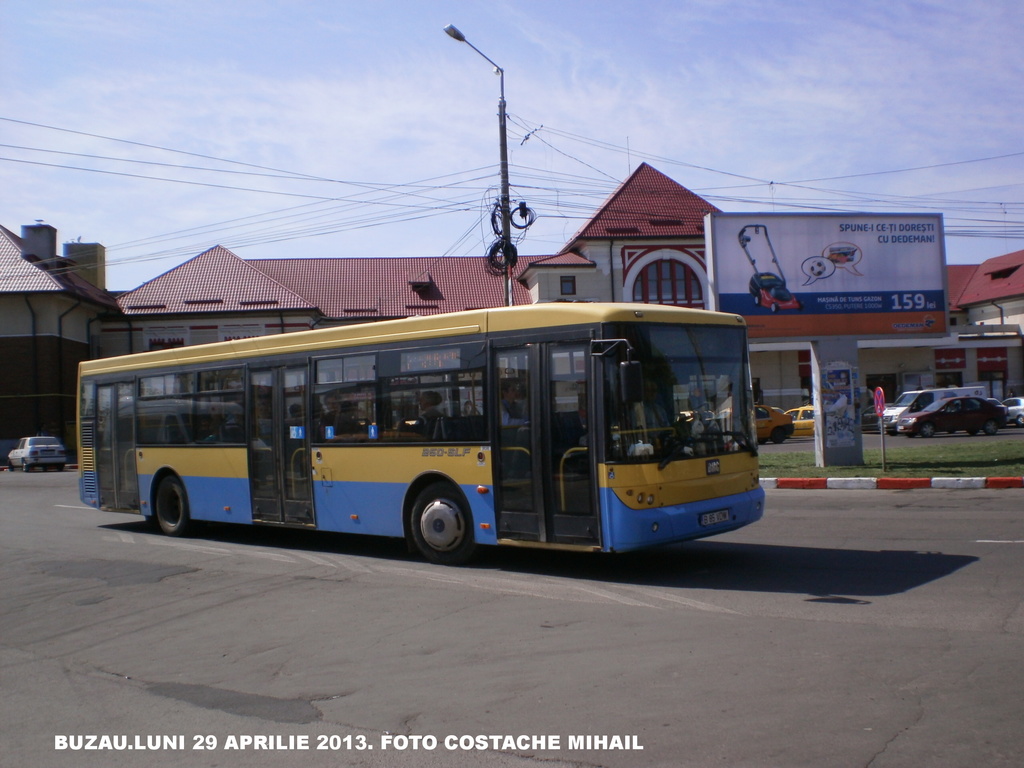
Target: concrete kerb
<point>890,483</point>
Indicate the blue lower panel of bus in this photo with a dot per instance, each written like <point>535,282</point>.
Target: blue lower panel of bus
<point>376,509</point>
<point>351,507</point>
<point>215,499</point>
<point>372,508</point>
<point>627,529</point>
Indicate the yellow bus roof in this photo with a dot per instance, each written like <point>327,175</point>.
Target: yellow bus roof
<point>419,328</point>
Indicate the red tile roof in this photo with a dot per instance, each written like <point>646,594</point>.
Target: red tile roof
<point>214,281</point>
<point>28,275</point>
<point>999,278</point>
<point>393,287</point>
<point>647,204</point>
<point>219,281</point>
<point>957,278</point>
<point>17,274</point>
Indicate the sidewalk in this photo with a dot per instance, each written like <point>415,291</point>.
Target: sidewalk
<point>890,483</point>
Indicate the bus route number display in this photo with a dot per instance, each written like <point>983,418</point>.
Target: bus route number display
<point>431,360</point>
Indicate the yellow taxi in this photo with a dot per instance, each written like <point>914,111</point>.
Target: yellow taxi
<point>772,424</point>
<point>803,420</point>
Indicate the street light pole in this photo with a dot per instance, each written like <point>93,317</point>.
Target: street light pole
<point>506,248</point>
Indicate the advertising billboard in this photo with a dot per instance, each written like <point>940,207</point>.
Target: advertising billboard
<point>813,275</point>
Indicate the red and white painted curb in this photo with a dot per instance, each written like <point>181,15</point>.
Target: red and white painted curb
<point>890,483</point>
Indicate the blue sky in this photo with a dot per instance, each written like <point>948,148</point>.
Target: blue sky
<point>336,128</point>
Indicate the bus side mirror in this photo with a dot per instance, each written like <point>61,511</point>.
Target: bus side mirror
<point>631,382</point>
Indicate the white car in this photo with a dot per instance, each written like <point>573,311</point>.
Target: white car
<point>1015,410</point>
<point>45,452</point>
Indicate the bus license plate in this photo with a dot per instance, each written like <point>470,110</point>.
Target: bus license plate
<point>713,518</point>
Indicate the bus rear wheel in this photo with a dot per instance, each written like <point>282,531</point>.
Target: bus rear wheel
<point>172,508</point>
<point>441,526</point>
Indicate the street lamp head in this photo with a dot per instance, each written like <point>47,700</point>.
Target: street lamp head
<point>454,33</point>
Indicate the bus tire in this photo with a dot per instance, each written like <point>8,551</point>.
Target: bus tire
<point>172,508</point>
<point>442,526</point>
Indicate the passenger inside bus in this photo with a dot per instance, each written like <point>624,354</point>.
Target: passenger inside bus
<point>338,420</point>
<point>430,412</point>
<point>513,404</point>
<point>515,432</point>
<point>655,413</point>
<point>571,426</point>
<point>207,429</point>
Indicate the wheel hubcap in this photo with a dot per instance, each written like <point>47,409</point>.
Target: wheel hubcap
<point>441,526</point>
<point>171,508</point>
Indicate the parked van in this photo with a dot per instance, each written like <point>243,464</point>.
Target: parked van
<point>915,400</point>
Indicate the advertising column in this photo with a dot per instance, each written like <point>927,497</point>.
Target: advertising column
<point>837,436</point>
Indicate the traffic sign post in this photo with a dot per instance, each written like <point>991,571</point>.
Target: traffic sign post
<point>879,410</point>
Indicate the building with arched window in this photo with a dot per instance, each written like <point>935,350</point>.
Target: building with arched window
<point>669,276</point>
<point>646,243</point>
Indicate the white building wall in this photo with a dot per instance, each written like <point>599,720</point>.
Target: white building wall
<point>1009,312</point>
<point>52,316</point>
<point>141,335</point>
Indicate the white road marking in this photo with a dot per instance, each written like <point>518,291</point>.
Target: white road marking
<point>999,541</point>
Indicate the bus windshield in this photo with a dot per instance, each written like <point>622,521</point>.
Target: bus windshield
<point>695,395</point>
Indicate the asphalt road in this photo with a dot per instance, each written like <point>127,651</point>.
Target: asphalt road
<point>848,628</point>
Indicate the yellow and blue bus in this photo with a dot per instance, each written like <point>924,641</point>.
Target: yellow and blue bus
<point>592,427</point>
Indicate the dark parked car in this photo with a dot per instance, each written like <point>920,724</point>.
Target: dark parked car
<point>970,414</point>
<point>869,420</point>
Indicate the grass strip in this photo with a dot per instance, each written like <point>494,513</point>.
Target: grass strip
<point>999,459</point>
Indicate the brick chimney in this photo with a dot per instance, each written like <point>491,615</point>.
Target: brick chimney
<point>90,261</point>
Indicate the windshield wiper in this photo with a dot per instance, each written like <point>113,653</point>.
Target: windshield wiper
<point>677,450</point>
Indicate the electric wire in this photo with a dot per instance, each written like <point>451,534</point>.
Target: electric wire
<point>557,194</point>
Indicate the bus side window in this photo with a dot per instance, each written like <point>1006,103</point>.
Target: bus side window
<point>174,431</point>
<point>233,432</point>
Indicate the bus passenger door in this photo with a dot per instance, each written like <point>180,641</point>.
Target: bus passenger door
<point>572,512</point>
<point>115,446</point>
<point>543,461</point>
<point>279,467</point>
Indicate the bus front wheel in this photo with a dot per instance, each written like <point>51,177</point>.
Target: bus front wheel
<point>441,526</point>
<point>172,508</point>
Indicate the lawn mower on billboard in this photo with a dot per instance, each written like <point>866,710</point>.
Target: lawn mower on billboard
<point>768,289</point>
